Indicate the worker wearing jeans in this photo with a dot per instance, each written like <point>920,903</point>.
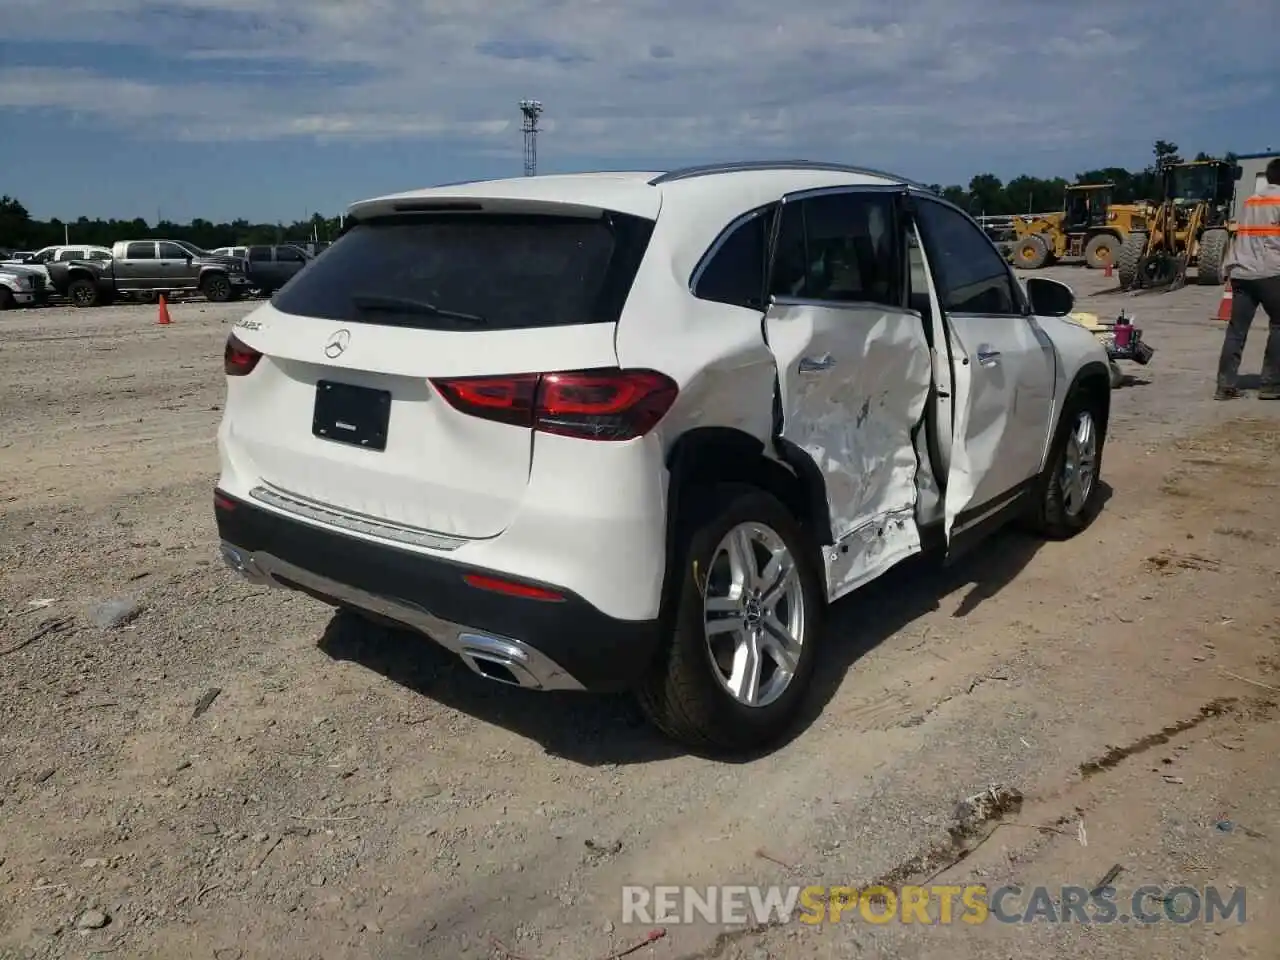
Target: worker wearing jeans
<point>1253,270</point>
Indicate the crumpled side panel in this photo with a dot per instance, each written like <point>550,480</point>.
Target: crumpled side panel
<point>856,422</point>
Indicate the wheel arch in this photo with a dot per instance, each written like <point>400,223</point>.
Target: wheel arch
<point>706,456</point>
<point>1113,232</point>
<point>1093,379</point>
<point>709,456</point>
<point>82,273</point>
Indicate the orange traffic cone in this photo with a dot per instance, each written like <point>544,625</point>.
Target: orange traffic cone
<point>163,318</point>
<point>1224,305</point>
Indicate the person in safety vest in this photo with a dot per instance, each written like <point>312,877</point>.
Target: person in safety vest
<point>1253,270</point>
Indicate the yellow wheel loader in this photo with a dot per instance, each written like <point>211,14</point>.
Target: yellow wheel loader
<point>1089,229</point>
<point>1190,226</point>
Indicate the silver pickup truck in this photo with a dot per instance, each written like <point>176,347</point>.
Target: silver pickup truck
<point>144,268</point>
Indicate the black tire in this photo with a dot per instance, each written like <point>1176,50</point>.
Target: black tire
<point>1030,252</point>
<point>1050,256</point>
<point>83,293</point>
<point>6,299</point>
<point>1130,255</point>
<point>1213,250</point>
<point>1101,250</point>
<point>216,288</point>
<point>682,694</point>
<point>1054,517</point>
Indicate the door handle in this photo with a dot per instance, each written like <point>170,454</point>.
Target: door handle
<point>989,358</point>
<point>817,364</point>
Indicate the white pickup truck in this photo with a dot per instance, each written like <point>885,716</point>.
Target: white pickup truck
<point>18,289</point>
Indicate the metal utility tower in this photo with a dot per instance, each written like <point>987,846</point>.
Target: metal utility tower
<point>531,110</point>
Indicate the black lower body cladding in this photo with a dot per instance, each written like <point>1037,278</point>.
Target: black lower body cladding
<point>602,653</point>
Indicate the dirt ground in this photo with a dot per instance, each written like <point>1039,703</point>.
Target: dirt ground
<point>192,767</point>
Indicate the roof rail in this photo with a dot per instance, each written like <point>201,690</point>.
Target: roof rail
<point>741,166</point>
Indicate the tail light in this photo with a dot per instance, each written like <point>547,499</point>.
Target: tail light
<point>511,588</point>
<point>587,404</point>
<point>239,358</point>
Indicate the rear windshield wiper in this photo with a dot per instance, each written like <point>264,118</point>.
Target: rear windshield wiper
<point>422,308</point>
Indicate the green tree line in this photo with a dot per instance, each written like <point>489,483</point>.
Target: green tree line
<point>985,195</point>
<point>19,231</point>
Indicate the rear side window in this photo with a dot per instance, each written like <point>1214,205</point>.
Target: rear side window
<point>140,251</point>
<point>735,272</point>
<point>260,254</point>
<point>509,272</point>
<point>838,248</point>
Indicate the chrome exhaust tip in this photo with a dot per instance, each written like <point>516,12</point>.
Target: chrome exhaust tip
<point>497,659</point>
<point>242,563</point>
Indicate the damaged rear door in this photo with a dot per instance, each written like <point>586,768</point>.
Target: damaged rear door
<point>854,371</point>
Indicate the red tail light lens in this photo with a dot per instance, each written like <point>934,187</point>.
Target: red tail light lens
<point>511,588</point>
<point>587,404</point>
<point>504,399</point>
<point>239,358</point>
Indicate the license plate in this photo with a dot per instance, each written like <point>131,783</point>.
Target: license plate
<point>353,415</point>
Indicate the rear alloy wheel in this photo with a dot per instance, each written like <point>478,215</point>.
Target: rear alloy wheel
<point>1030,252</point>
<point>217,288</point>
<point>753,615</point>
<point>1100,251</point>
<point>82,293</point>
<point>747,614</point>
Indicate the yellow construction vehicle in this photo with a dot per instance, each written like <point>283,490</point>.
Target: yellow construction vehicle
<point>1089,228</point>
<point>1190,226</point>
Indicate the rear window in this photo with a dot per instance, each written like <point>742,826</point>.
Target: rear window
<point>510,272</point>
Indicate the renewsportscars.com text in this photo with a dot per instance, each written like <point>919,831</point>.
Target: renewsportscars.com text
<point>939,904</point>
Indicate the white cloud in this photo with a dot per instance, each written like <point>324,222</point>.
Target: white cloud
<point>655,78</point>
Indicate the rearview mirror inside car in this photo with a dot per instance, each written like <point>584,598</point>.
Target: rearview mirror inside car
<point>1050,298</point>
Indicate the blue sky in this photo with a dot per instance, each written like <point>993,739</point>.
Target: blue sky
<point>271,109</point>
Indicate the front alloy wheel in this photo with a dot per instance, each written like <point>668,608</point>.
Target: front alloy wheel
<point>217,289</point>
<point>1078,464</point>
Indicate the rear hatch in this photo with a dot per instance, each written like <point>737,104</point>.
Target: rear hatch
<point>347,407</point>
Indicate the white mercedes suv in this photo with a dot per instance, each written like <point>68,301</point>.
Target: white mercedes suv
<point>635,431</point>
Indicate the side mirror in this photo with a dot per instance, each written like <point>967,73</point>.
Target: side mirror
<point>1050,298</point>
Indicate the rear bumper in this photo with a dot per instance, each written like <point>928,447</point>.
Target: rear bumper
<point>563,644</point>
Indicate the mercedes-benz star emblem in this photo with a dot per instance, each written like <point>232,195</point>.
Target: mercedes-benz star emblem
<point>337,344</point>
